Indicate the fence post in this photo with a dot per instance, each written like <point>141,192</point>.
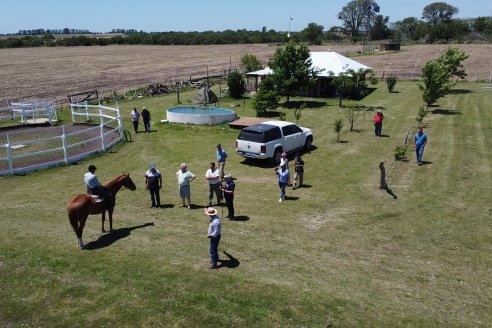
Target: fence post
<point>87,111</point>
<point>72,109</point>
<point>101,118</point>
<point>120,122</point>
<point>65,150</point>
<point>9,155</point>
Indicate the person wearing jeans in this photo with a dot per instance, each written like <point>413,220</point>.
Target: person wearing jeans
<point>419,144</point>
<point>214,234</point>
<point>283,176</point>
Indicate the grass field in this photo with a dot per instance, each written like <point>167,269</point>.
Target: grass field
<point>338,253</point>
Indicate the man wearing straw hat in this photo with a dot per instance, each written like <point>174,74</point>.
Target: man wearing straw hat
<point>214,232</point>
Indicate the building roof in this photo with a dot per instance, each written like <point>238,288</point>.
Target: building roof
<point>326,61</point>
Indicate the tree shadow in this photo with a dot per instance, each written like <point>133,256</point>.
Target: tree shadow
<point>230,263</point>
<point>117,234</point>
<point>240,218</point>
<point>459,91</point>
<point>442,111</point>
<point>270,114</point>
<point>298,103</point>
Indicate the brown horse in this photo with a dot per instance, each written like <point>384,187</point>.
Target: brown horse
<point>82,205</point>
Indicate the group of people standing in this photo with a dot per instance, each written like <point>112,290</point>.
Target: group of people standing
<point>283,174</point>
<point>135,115</point>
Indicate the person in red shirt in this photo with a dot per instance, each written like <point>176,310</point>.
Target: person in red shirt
<point>378,123</point>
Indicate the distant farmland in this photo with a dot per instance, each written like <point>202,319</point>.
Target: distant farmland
<point>59,71</point>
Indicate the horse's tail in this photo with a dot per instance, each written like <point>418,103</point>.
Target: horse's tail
<point>72,217</point>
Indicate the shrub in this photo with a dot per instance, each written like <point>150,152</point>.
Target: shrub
<point>236,84</point>
<point>338,126</point>
<point>391,82</point>
<point>400,152</point>
<point>421,113</point>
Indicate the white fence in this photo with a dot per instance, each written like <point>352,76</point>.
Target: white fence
<point>30,111</point>
<point>95,128</point>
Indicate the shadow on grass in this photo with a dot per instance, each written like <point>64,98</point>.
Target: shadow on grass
<point>298,103</point>
<point>442,111</point>
<point>291,198</point>
<point>425,162</point>
<point>389,191</point>
<point>459,91</point>
<point>166,206</point>
<point>230,263</point>
<point>241,218</point>
<point>304,186</point>
<point>117,234</point>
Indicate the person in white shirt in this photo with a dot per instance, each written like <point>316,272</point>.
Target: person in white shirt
<point>214,185</point>
<point>184,178</point>
<point>135,117</point>
<point>214,234</point>
<point>95,188</point>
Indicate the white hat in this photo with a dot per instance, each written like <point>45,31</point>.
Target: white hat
<point>211,211</point>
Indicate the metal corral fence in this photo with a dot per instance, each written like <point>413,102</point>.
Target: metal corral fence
<point>30,111</point>
<point>95,128</point>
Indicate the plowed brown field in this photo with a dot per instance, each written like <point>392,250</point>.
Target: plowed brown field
<point>57,72</point>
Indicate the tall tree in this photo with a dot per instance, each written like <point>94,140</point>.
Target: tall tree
<point>439,12</point>
<point>292,69</point>
<point>250,63</point>
<point>358,15</point>
<point>380,30</point>
<point>313,33</point>
<point>236,85</point>
<point>410,28</point>
<point>266,98</point>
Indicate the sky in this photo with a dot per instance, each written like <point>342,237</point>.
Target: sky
<point>192,15</point>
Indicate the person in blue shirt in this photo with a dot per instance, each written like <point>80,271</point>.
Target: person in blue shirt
<point>419,145</point>
<point>221,158</point>
<point>283,176</point>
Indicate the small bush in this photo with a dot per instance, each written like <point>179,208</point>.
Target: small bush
<point>391,82</point>
<point>400,152</point>
<point>338,126</point>
<point>421,113</point>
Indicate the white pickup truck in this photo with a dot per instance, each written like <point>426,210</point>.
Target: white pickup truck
<point>268,140</point>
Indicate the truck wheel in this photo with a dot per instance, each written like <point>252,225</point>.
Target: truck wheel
<point>307,145</point>
<point>277,155</point>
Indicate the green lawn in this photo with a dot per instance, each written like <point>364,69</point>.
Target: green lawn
<point>340,252</point>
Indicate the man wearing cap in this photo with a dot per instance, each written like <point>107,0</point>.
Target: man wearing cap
<point>146,119</point>
<point>213,177</point>
<point>283,176</point>
<point>95,188</point>
<point>153,181</point>
<point>378,123</point>
<point>214,232</point>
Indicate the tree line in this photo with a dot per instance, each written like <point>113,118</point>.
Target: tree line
<point>362,20</point>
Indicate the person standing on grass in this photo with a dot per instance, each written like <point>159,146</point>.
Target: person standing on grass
<point>153,182</point>
<point>146,119</point>
<point>419,144</point>
<point>221,159</point>
<point>213,177</point>
<point>135,117</point>
<point>184,179</point>
<point>228,191</point>
<point>214,234</point>
<point>283,176</point>
<point>298,171</point>
<point>284,160</point>
<point>378,123</point>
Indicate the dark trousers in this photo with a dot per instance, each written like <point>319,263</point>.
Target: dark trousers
<point>230,205</point>
<point>377,129</point>
<point>155,198</point>
<point>104,193</point>
<point>147,126</point>
<point>214,250</point>
<point>135,125</point>
<point>214,188</point>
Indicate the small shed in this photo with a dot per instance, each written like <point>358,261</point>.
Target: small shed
<point>390,46</point>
